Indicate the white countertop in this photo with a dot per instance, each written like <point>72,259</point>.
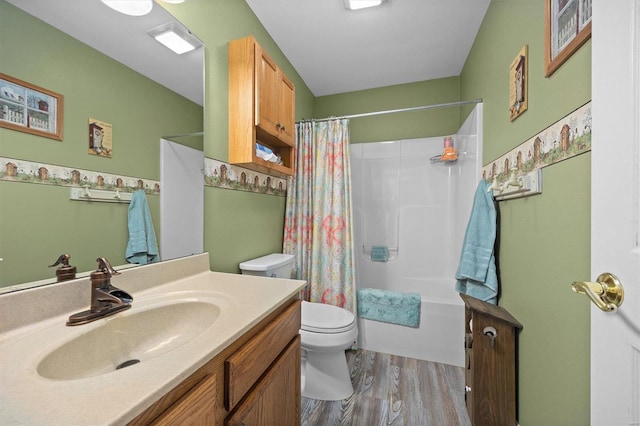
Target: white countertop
<point>119,396</point>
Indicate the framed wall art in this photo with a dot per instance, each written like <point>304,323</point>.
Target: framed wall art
<point>100,138</point>
<point>518,92</point>
<point>567,27</point>
<point>28,108</point>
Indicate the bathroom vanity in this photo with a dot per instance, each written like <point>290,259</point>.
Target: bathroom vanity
<point>258,375</point>
<point>199,347</point>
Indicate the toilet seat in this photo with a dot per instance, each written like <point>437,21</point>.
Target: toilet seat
<point>328,319</point>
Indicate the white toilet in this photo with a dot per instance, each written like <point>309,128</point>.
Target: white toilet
<point>326,332</point>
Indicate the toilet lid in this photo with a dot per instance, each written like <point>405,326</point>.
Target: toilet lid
<point>323,318</point>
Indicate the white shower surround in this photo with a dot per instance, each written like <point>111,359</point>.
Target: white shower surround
<point>402,200</point>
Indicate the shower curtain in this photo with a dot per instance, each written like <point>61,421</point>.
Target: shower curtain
<point>318,227</point>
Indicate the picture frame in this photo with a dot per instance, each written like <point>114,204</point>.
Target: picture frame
<point>100,138</point>
<point>567,28</point>
<point>28,108</point>
<point>518,87</point>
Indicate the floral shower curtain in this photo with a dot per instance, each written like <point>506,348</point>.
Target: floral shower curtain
<point>318,227</point>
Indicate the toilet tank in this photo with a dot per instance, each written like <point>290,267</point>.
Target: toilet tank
<point>276,265</point>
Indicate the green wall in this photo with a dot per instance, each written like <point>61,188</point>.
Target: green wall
<point>38,222</point>
<point>406,125</point>
<point>238,225</point>
<point>545,239</point>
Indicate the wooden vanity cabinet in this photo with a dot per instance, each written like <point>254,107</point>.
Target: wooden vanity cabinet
<point>194,407</point>
<point>261,109</point>
<point>254,381</point>
<point>490,363</point>
<point>272,397</point>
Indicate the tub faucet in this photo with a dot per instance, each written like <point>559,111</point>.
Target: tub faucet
<point>106,299</point>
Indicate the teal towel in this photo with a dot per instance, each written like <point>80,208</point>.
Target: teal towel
<point>379,253</point>
<point>477,275</point>
<point>389,306</point>
<point>142,247</point>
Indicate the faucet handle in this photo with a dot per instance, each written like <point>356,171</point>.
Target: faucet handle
<point>66,271</point>
<point>64,259</point>
<point>105,267</point>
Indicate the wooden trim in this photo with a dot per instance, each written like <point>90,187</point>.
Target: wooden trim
<point>59,110</point>
<point>552,64</point>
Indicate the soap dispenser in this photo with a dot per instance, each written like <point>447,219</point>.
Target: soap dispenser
<point>66,271</point>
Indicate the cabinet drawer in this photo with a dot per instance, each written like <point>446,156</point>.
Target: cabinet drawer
<point>244,367</point>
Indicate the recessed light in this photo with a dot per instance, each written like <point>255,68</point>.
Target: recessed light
<point>361,4</point>
<point>130,7</point>
<point>176,38</point>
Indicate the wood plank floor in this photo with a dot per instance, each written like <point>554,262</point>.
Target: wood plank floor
<point>393,390</point>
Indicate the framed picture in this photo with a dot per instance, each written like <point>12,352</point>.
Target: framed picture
<point>100,138</point>
<point>567,27</point>
<point>31,109</point>
<point>518,92</point>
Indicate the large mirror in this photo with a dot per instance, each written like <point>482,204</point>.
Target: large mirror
<point>108,68</point>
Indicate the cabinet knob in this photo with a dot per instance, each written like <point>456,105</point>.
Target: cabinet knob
<point>467,389</point>
<point>278,125</point>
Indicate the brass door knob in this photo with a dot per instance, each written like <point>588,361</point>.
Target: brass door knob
<point>607,292</point>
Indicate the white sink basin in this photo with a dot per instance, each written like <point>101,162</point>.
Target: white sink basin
<point>136,335</point>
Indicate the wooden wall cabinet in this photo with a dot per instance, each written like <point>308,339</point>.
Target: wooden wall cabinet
<point>261,109</point>
<point>490,363</point>
<point>254,381</point>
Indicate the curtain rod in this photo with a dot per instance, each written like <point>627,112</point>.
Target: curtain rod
<point>183,135</point>
<point>391,111</point>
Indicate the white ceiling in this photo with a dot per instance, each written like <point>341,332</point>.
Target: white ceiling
<point>337,50</point>
<point>125,39</point>
<point>334,50</point>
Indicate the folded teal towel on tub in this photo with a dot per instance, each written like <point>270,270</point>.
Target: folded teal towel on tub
<point>389,306</point>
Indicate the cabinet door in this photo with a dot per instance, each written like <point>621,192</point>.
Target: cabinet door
<point>266,92</point>
<point>286,109</point>
<point>196,407</point>
<point>275,400</point>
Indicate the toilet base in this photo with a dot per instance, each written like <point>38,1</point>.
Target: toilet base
<point>326,376</point>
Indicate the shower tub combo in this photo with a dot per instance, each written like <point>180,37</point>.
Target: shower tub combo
<point>417,210</point>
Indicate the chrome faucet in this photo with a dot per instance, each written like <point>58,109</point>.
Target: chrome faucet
<point>106,299</point>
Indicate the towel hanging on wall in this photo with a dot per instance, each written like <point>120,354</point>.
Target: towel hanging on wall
<point>142,247</point>
<point>477,275</point>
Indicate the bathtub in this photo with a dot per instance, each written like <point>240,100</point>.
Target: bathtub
<point>440,337</point>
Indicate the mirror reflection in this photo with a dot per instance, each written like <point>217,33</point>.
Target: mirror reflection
<point>38,221</point>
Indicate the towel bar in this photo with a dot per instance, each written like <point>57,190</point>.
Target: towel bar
<point>99,195</point>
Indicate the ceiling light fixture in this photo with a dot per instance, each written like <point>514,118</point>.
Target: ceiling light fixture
<point>130,7</point>
<point>361,4</point>
<point>176,38</point>
<point>173,1</point>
